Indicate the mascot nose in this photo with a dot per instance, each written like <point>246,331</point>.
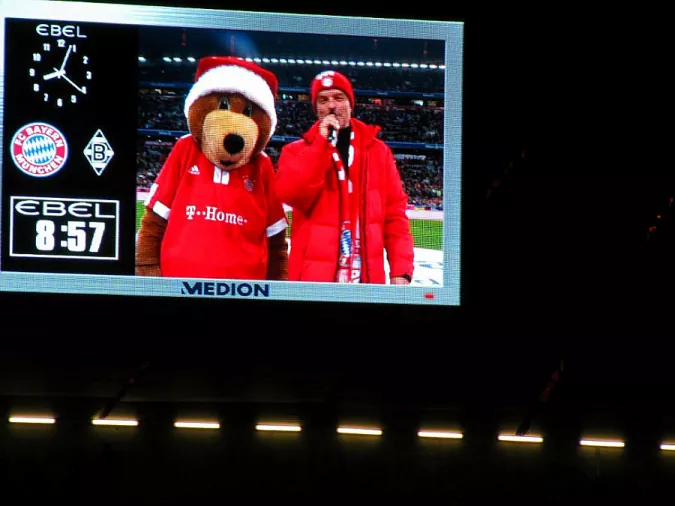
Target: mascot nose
<point>233,143</point>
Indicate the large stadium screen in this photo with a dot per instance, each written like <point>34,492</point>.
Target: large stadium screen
<point>178,152</point>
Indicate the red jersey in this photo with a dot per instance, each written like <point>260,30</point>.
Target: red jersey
<point>218,221</point>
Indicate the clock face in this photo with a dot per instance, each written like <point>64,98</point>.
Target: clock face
<point>60,70</point>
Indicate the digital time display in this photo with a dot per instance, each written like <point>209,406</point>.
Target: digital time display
<point>64,228</point>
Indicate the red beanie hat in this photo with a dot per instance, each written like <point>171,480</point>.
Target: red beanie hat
<point>230,74</point>
<point>329,80</point>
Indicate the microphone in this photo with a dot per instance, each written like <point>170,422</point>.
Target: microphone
<point>332,134</point>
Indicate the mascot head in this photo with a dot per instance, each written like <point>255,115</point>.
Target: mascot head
<point>230,110</point>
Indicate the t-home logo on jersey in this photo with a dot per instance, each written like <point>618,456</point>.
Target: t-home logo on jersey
<point>221,289</point>
<point>39,149</point>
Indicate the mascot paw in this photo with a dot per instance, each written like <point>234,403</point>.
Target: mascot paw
<point>148,270</point>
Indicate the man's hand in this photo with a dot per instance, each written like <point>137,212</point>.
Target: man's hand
<point>399,280</point>
<point>328,122</point>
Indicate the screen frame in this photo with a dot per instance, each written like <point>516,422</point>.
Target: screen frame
<point>450,31</point>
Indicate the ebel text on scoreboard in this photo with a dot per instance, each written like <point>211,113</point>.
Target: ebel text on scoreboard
<point>225,289</point>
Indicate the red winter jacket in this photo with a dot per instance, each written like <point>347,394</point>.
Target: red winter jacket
<point>307,181</point>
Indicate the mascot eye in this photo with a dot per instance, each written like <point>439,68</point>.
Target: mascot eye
<point>248,110</point>
<point>224,104</point>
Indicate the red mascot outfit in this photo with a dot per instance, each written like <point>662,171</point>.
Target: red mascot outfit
<point>215,192</point>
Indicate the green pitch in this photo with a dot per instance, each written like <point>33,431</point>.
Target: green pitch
<point>427,234</point>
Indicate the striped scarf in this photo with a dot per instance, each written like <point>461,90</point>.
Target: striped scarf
<point>349,258</point>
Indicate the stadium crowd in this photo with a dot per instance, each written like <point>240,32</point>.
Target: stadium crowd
<point>163,111</point>
<point>150,156</point>
<point>363,78</point>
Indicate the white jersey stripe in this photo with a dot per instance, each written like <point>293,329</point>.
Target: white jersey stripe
<point>153,189</point>
<point>277,227</point>
<point>161,210</point>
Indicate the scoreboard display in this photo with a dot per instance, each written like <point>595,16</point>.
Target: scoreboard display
<point>92,99</point>
<point>68,178</point>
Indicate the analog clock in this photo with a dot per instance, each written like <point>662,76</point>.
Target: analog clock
<point>60,70</point>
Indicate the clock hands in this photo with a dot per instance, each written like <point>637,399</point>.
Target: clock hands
<point>57,73</point>
<point>71,82</point>
<point>62,73</point>
<point>65,59</point>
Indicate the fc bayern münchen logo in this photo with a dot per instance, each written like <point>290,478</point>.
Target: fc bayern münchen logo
<point>248,184</point>
<point>39,149</point>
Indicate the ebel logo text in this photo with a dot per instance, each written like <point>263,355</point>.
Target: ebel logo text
<point>219,289</point>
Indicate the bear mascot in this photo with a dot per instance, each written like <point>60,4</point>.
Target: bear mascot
<point>212,211</point>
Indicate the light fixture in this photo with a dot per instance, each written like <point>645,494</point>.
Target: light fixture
<point>117,423</point>
<point>440,434</point>
<point>197,425</point>
<point>520,439</point>
<point>360,431</point>
<point>602,443</point>
<point>278,428</point>
<point>31,419</point>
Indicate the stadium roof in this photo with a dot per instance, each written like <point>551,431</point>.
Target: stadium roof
<point>156,42</point>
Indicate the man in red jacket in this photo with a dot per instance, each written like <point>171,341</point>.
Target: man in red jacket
<point>348,202</point>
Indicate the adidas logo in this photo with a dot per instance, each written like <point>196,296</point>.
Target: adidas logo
<point>194,170</point>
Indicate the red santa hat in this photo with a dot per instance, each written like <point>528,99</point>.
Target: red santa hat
<point>230,74</point>
<point>329,80</point>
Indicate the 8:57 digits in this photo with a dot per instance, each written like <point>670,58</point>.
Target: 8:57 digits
<point>76,241</point>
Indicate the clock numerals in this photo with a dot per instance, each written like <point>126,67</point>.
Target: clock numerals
<point>59,69</point>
